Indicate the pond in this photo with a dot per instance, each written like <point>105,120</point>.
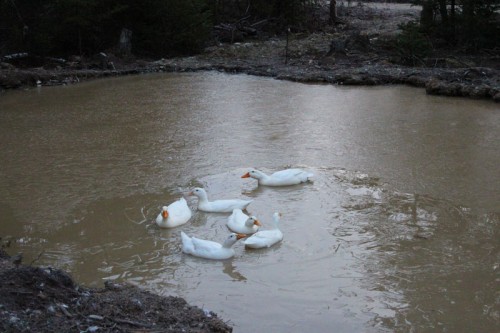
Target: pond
<point>398,232</point>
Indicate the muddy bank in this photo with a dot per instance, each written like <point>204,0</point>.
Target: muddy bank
<point>357,51</point>
<point>35,299</point>
<point>473,82</point>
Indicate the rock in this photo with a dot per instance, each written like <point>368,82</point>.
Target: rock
<point>6,65</point>
<point>354,80</point>
<point>416,81</point>
<point>438,87</point>
<point>113,286</point>
<point>481,91</point>
<point>17,259</point>
<point>496,97</point>
<point>10,81</point>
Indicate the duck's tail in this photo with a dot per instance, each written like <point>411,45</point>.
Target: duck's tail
<point>187,243</point>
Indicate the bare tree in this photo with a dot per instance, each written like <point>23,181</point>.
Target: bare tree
<point>333,11</point>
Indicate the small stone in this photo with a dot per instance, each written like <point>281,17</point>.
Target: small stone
<point>96,317</point>
<point>93,329</point>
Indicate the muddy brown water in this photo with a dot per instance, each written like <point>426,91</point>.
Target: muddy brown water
<point>398,233</point>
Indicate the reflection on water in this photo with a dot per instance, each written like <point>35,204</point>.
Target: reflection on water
<point>398,232</point>
<point>231,271</point>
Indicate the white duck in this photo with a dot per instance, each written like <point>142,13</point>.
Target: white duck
<point>209,249</point>
<point>280,178</point>
<point>266,238</point>
<point>217,206</point>
<point>242,223</point>
<point>174,215</point>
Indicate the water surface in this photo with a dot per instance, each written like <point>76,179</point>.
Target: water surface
<point>399,231</point>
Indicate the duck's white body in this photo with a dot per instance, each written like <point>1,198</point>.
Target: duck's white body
<point>242,223</point>
<point>217,206</point>
<point>174,215</point>
<point>266,238</point>
<point>280,178</point>
<point>209,249</point>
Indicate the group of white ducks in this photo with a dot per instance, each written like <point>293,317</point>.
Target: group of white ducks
<point>242,225</point>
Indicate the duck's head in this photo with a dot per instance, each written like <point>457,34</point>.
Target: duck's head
<point>276,216</point>
<point>164,212</point>
<point>198,192</point>
<point>233,238</point>
<point>251,221</point>
<point>252,173</point>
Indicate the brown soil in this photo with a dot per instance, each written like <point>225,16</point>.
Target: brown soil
<point>35,299</point>
<point>366,57</point>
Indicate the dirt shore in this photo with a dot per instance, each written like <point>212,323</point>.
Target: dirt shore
<point>36,299</point>
<point>364,58</point>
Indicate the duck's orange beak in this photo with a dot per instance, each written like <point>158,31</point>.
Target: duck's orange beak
<point>256,222</point>
<point>164,214</point>
<point>246,175</point>
<point>240,236</point>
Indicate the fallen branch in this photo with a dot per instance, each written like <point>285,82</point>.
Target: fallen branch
<point>62,307</point>
<point>130,322</point>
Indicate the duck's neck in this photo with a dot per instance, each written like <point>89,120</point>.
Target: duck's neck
<point>249,223</point>
<point>203,199</point>
<point>263,177</point>
<point>228,244</point>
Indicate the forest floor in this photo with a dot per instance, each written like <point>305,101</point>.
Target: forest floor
<point>358,50</point>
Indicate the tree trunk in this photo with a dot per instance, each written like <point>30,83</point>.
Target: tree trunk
<point>333,11</point>
<point>444,12</point>
<point>452,19</point>
<point>125,44</point>
<point>427,15</point>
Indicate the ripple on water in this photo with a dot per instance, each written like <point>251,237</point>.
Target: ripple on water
<point>354,251</point>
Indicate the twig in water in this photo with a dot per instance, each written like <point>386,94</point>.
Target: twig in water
<point>37,258</point>
<point>128,218</point>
